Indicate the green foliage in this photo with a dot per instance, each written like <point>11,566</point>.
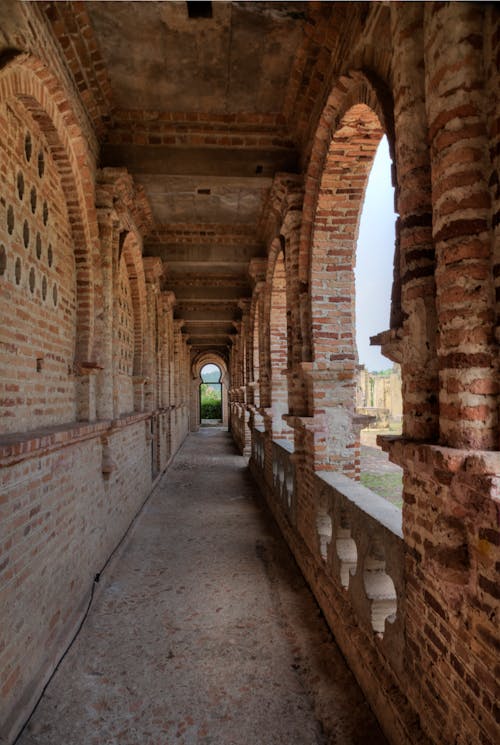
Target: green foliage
<point>210,401</point>
<point>211,411</point>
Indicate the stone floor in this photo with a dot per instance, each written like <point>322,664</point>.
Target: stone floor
<point>203,631</point>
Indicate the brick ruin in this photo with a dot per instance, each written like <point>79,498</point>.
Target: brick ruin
<point>157,215</point>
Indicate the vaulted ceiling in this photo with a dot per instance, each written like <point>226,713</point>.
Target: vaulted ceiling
<point>202,103</point>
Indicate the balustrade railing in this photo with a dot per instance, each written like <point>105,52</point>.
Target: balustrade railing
<point>258,447</point>
<point>356,539</point>
<point>360,544</point>
<point>284,477</point>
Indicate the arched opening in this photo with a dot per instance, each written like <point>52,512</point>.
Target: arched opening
<point>211,395</point>
<point>332,287</point>
<point>378,395</point>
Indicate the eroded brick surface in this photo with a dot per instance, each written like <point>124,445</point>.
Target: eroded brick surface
<point>109,312</point>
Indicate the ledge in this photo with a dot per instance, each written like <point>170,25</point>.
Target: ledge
<point>378,508</point>
<point>127,419</point>
<point>17,447</point>
<point>427,455</point>
<point>390,343</point>
<point>285,445</point>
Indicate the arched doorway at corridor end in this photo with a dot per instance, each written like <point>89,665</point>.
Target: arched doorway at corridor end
<point>210,395</point>
<point>209,389</point>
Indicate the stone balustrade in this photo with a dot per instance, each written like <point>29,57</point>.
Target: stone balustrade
<point>360,543</point>
<point>355,549</point>
<point>284,477</point>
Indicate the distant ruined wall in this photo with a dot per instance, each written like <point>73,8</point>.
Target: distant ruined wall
<point>381,392</point>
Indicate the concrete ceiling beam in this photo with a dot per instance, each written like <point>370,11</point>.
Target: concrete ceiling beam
<point>200,161</point>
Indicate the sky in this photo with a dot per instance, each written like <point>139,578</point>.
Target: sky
<point>210,373</point>
<point>374,260</point>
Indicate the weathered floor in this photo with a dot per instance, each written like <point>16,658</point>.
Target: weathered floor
<point>203,631</point>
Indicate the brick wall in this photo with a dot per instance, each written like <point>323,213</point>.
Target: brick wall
<point>66,501</point>
<point>82,437</point>
<point>88,335</point>
<point>38,289</point>
<point>436,107</point>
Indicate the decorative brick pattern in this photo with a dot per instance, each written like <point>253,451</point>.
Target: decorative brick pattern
<point>38,298</point>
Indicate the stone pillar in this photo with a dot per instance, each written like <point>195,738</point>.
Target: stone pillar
<point>468,357</point>
<point>414,229</point>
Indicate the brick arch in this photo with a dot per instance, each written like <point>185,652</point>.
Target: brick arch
<point>254,337</point>
<point>27,80</point>
<point>210,358</point>
<point>132,253</point>
<point>275,356</point>
<point>359,107</point>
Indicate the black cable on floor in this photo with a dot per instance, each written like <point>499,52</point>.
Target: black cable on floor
<point>97,578</point>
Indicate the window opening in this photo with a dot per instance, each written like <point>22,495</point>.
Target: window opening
<point>199,9</point>
<point>379,379</point>
<point>210,395</point>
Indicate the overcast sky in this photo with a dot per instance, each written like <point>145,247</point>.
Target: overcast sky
<point>374,260</point>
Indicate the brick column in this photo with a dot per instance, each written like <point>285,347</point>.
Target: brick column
<point>297,388</point>
<point>177,363</point>
<point>468,358</point>
<point>414,204</point>
<point>492,48</point>
<point>153,270</point>
<point>257,271</point>
<point>244,306</point>
<point>109,239</point>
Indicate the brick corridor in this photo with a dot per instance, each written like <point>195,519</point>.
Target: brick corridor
<point>202,631</point>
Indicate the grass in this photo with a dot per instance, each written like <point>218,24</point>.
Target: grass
<point>387,485</point>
